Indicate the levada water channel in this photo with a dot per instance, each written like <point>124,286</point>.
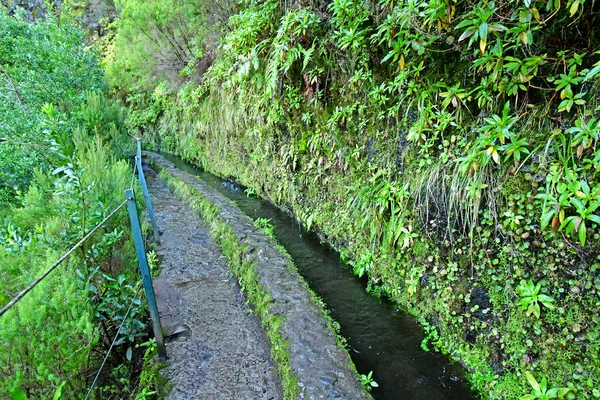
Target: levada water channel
<point>381,338</point>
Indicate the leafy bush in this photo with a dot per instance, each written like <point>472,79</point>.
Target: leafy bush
<point>60,175</point>
<point>42,63</point>
<point>59,315</point>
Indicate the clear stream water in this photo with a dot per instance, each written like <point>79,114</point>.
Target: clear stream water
<point>381,338</point>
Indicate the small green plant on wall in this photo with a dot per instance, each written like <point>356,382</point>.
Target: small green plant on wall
<point>541,391</point>
<point>531,298</point>
<point>363,264</point>
<point>367,381</point>
<point>266,226</point>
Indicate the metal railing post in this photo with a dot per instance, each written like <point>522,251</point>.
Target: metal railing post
<point>138,160</point>
<point>146,277</point>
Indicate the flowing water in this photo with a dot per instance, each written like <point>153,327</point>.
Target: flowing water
<point>381,338</point>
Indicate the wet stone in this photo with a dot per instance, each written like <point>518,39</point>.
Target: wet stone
<point>328,379</point>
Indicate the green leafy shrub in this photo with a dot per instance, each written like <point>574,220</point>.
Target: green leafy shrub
<point>41,63</point>
<point>60,175</point>
<point>531,298</point>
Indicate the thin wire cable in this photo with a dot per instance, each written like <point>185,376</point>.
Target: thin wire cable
<point>133,175</point>
<point>113,342</point>
<point>63,258</point>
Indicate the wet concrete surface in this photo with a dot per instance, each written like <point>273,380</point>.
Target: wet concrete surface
<point>216,347</point>
<point>322,368</point>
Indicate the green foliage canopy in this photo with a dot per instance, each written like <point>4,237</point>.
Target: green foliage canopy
<point>42,63</point>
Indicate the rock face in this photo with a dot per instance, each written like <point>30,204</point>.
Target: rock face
<point>323,369</point>
<point>98,14</point>
<point>32,9</point>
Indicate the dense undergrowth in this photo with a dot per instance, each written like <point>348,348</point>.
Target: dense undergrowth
<point>61,172</point>
<point>448,148</point>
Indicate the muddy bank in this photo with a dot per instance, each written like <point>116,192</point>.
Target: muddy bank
<point>321,367</point>
<point>216,347</point>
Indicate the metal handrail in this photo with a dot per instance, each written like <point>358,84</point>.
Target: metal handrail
<point>141,255</point>
<point>56,264</point>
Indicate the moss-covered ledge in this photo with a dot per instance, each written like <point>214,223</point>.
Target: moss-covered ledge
<point>310,360</point>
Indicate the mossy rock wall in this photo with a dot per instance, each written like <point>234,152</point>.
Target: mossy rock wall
<point>463,288</point>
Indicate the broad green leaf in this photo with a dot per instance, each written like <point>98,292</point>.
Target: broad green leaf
<point>546,218</point>
<point>543,385</point>
<point>593,72</point>
<point>534,384</point>
<point>18,394</point>
<point>562,392</point>
<point>594,218</point>
<point>483,31</point>
<point>58,393</point>
<point>574,7</point>
<point>582,233</point>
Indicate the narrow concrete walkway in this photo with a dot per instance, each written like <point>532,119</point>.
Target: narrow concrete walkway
<point>217,349</point>
<point>322,368</point>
